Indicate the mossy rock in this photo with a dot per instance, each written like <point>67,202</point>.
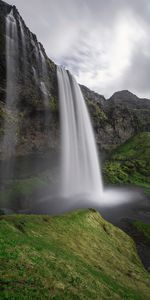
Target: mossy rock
<point>130,163</point>
<point>96,112</point>
<point>54,107</point>
<point>143,229</point>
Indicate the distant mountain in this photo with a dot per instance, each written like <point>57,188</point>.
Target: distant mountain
<point>130,100</point>
<point>117,119</point>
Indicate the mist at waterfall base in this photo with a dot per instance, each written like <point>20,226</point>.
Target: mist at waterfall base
<point>79,183</point>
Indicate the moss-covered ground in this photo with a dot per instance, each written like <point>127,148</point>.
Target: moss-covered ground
<point>130,163</point>
<point>75,256</point>
<point>78,255</point>
<point>144,229</point>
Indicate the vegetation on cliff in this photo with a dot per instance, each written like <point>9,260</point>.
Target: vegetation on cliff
<point>144,229</point>
<point>129,163</point>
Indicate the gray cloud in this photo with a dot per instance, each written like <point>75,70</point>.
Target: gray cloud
<point>105,43</point>
<point>140,70</point>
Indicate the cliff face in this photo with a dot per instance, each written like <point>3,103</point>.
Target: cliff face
<point>35,72</point>
<point>115,120</point>
<point>4,8</point>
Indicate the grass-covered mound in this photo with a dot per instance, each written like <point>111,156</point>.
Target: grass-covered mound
<point>75,256</point>
<point>130,163</point>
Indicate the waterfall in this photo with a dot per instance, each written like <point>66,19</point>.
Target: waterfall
<point>40,73</point>
<point>80,168</point>
<point>35,76</point>
<point>24,48</point>
<point>44,88</point>
<point>81,179</point>
<point>80,172</point>
<point>9,141</point>
<point>11,58</point>
<point>36,69</point>
<point>44,73</point>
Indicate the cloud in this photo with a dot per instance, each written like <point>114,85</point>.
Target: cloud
<point>139,69</point>
<point>104,43</point>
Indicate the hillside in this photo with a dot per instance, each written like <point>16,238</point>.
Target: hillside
<point>76,256</point>
<point>129,163</point>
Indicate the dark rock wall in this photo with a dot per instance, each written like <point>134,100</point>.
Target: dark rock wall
<point>114,120</point>
<point>117,119</point>
<point>4,10</point>
<point>32,132</point>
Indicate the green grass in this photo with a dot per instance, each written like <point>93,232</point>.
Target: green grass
<point>143,228</point>
<point>137,145</point>
<point>130,163</point>
<point>75,256</point>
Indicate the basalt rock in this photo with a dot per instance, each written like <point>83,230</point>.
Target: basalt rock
<point>32,133</point>
<point>114,120</point>
<point>117,119</point>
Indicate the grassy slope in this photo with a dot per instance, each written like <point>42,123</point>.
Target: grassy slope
<point>76,256</point>
<point>130,163</point>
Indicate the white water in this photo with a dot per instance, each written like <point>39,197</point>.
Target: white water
<point>24,47</point>
<point>80,174</point>
<point>35,76</point>
<point>9,141</point>
<point>40,73</point>
<point>80,164</point>
<point>43,83</point>
<point>81,181</point>
<point>11,58</point>
<point>36,70</point>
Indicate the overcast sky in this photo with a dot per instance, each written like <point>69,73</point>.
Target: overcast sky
<point>105,43</point>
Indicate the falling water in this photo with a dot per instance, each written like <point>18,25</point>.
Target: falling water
<point>80,170</point>
<point>35,76</point>
<point>44,73</point>
<point>9,141</point>
<point>11,58</point>
<point>80,165</point>
<point>36,70</point>
<point>24,47</point>
<point>80,173</point>
<point>40,73</point>
<point>44,88</point>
